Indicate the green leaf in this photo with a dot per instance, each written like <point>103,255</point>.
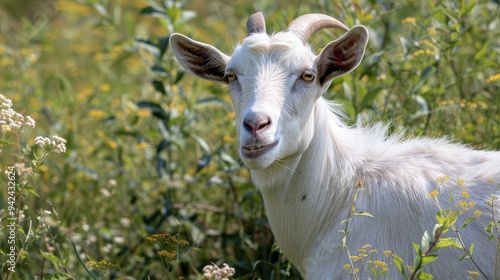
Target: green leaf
<point>369,97</point>
<point>101,10</point>
<point>163,44</point>
<point>57,276</point>
<point>489,228</point>
<point>227,158</point>
<point>54,259</point>
<point>426,73</point>
<point>203,162</point>
<point>428,259</point>
<point>362,213</point>
<point>418,251</point>
<point>31,190</point>
<point>464,257</point>
<point>471,249</point>
<point>399,265</point>
<point>158,85</point>
<point>147,46</point>
<point>204,145</point>
<point>481,54</point>
<point>468,221</point>
<point>466,8</point>
<point>448,242</point>
<point>155,108</point>
<point>422,275</point>
<point>405,44</point>
<point>446,219</point>
<point>426,241</point>
<point>152,11</point>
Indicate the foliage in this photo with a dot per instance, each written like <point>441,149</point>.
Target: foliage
<point>151,151</point>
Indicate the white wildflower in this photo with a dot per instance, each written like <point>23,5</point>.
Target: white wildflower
<point>42,141</point>
<point>14,120</point>
<point>216,273</point>
<point>59,143</point>
<point>22,169</point>
<point>5,102</point>
<point>30,122</point>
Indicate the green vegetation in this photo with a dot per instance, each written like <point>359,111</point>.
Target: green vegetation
<point>150,184</point>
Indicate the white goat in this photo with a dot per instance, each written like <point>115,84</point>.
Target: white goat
<point>308,164</point>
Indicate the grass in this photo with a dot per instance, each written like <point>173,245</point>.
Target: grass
<point>152,151</point>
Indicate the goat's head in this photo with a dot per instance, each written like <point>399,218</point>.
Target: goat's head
<point>275,81</point>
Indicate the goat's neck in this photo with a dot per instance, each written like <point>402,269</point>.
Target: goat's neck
<point>299,191</point>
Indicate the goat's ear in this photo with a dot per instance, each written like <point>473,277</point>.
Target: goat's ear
<point>342,55</point>
<point>201,60</point>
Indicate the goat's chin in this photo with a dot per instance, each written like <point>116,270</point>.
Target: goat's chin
<point>258,163</point>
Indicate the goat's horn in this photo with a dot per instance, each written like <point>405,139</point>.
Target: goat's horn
<point>256,23</point>
<point>306,25</point>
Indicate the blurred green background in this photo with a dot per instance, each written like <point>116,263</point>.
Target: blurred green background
<point>152,150</point>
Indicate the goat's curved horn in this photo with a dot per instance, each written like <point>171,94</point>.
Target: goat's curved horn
<point>256,23</point>
<point>306,25</point>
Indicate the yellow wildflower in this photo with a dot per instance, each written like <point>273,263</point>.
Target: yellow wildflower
<point>141,146</point>
<point>463,205</point>
<point>143,113</point>
<point>6,128</point>
<point>423,52</point>
<point>473,273</point>
<point>380,263</point>
<point>355,258</point>
<point>84,94</point>
<point>97,114</point>
<point>167,255</point>
<point>433,194</point>
<point>443,180</point>
<point>493,78</point>
<point>105,87</point>
<point>409,20</point>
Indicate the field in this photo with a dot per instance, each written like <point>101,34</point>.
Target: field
<point>149,184</point>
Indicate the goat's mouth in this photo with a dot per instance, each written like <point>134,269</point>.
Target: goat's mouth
<point>256,150</point>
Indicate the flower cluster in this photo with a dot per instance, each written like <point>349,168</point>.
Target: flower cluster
<point>216,273</point>
<point>11,120</point>
<point>57,143</point>
<point>166,238</point>
<point>102,265</point>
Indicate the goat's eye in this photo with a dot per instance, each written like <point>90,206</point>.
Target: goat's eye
<point>231,76</point>
<point>308,75</point>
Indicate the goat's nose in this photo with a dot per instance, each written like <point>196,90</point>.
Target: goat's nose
<point>256,124</point>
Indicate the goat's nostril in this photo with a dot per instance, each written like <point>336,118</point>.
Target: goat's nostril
<point>261,124</point>
<point>256,125</point>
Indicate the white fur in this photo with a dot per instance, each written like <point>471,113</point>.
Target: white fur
<point>309,178</point>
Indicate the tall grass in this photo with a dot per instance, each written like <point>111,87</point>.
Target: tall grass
<point>152,151</point>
